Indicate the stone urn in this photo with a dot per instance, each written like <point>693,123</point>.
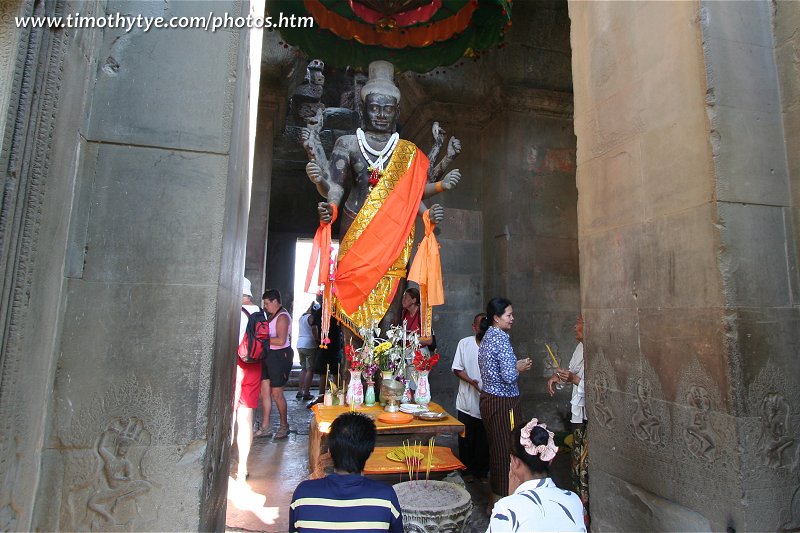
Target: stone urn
<point>391,392</point>
<point>433,506</point>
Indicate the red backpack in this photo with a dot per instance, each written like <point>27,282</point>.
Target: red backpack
<point>255,342</point>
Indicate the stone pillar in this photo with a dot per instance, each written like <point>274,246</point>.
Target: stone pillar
<point>129,162</point>
<point>530,232</point>
<point>255,262</point>
<point>691,332</point>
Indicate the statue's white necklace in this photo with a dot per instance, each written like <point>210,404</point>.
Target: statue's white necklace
<point>382,156</point>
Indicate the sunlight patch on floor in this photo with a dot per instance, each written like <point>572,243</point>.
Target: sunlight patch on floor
<point>245,499</point>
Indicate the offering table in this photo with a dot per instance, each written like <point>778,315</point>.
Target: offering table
<point>388,434</point>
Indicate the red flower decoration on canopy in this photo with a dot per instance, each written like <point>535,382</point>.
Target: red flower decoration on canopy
<point>400,19</point>
<point>416,35</point>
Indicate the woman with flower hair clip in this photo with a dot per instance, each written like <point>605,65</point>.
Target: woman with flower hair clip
<point>534,502</point>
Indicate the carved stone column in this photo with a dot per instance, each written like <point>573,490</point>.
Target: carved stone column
<point>124,166</point>
<point>688,267</point>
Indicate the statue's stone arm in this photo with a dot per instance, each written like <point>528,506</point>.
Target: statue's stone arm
<point>453,149</point>
<point>438,141</point>
<point>339,173</point>
<point>436,212</point>
<point>309,137</point>
<point>449,183</point>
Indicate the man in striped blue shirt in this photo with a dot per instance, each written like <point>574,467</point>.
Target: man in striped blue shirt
<point>346,500</point>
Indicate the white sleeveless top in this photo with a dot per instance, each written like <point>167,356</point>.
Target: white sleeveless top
<point>273,332</point>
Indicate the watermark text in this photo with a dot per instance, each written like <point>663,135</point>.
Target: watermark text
<point>211,22</point>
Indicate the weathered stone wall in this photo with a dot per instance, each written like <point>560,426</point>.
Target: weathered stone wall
<point>758,257</point>
<point>120,306</point>
<point>530,239</point>
<point>690,329</point>
<point>44,109</point>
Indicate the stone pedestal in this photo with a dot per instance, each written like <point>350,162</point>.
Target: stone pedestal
<point>433,506</point>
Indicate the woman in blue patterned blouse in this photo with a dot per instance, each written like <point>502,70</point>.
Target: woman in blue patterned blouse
<point>500,395</point>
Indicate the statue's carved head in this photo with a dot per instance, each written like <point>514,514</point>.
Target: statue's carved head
<point>381,81</point>
<point>380,113</point>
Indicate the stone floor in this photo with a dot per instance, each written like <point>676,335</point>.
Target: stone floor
<point>277,467</point>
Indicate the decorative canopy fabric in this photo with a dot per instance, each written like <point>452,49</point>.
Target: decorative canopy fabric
<point>426,35</point>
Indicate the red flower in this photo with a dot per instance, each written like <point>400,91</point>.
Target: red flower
<point>423,363</point>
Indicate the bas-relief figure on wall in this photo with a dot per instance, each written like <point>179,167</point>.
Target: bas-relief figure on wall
<point>772,401</point>
<point>601,411</point>
<point>115,477</point>
<point>699,436</point>
<point>776,442</point>
<point>124,481</point>
<point>646,425</point>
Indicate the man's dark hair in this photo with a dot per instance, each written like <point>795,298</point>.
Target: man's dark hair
<point>351,441</point>
<point>272,294</point>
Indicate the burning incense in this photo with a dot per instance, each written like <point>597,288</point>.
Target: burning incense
<point>431,446</point>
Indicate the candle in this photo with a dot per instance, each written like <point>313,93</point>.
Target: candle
<point>511,418</point>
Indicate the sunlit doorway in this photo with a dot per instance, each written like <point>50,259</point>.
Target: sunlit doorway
<point>302,299</point>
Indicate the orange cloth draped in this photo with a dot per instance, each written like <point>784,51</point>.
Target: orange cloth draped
<point>381,242</point>
<point>426,270</point>
<point>442,460</point>
<point>321,251</point>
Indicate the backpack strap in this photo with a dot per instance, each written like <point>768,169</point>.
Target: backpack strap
<point>245,312</point>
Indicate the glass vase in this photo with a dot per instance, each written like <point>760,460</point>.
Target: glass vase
<point>422,396</point>
<point>369,396</point>
<point>385,376</point>
<point>355,389</point>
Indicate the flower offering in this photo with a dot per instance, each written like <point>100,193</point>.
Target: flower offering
<point>424,362</point>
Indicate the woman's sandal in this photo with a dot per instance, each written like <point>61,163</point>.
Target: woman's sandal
<point>282,433</point>
<point>263,432</point>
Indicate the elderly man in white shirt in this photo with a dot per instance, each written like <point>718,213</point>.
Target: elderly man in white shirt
<point>574,375</point>
<point>473,448</point>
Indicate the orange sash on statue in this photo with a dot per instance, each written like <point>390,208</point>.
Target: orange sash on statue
<point>380,233</point>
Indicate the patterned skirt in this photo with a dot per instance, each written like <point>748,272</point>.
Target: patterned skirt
<point>497,421</point>
<point>580,465</point>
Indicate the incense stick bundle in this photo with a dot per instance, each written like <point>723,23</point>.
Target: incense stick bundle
<point>553,357</point>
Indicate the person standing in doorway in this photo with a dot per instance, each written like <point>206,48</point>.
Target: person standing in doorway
<point>248,377</point>
<point>473,449</point>
<point>277,365</point>
<point>412,317</point>
<point>580,446</point>
<point>307,346</point>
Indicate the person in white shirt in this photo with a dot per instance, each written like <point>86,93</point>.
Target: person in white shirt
<point>580,449</point>
<point>535,503</point>
<point>473,448</point>
<point>307,345</point>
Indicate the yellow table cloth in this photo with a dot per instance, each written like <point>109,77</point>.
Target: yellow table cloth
<point>443,461</point>
<point>325,415</point>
